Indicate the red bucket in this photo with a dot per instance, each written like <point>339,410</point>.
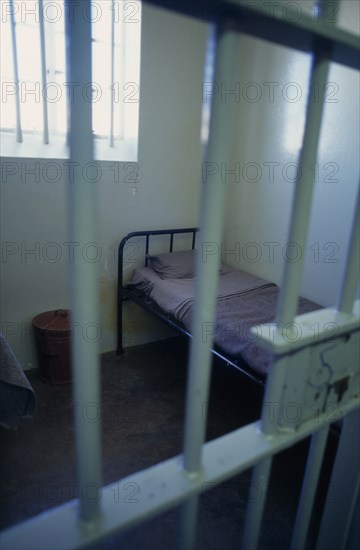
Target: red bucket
<point>53,345</point>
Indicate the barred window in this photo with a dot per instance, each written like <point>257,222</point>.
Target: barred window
<point>35,90</point>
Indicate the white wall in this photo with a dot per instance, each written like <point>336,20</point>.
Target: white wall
<point>267,153</point>
<point>166,194</point>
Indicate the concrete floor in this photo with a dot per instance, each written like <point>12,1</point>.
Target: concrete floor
<point>142,423</point>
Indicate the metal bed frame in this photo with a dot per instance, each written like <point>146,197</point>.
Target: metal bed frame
<point>126,292</point>
<point>180,480</point>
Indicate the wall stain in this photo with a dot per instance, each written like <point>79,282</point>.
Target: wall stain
<point>107,298</point>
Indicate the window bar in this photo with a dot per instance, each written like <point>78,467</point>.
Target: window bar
<point>289,292</point>
<point>86,393</point>
<point>351,280</point>
<point>122,83</point>
<point>112,77</point>
<point>19,137</point>
<point>43,71</point>
<point>308,490</point>
<point>68,18</point>
<point>207,266</point>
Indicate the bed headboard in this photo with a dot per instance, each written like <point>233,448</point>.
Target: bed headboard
<point>146,235</point>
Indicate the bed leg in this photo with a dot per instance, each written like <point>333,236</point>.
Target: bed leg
<point>119,347</point>
<point>119,335</point>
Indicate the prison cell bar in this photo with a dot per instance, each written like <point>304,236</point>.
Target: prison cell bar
<point>308,489</point>
<point>253,18</point>
<point>336,522</point>
<point>84,291</point>
<point>19,136</point>
<point>335,526</point>
<point>208,259</point>
<point>345,305</point>
<point>300,215</point>
<point>291,278</point>
<point>207,269</point>
<point>289,291</point>
<point>350,279</point>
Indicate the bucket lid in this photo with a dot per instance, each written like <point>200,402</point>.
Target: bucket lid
<point>57,320</point>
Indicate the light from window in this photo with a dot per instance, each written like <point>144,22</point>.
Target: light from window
<point>34,85</point>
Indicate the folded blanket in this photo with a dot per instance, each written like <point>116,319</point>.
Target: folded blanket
<point>177,295</point>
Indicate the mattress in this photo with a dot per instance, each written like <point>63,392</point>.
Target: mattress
<point>243,301</point>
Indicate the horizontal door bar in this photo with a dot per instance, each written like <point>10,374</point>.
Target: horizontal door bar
<point>270,21</point>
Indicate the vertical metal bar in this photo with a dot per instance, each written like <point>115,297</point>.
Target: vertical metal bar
<point>84,290</point>
<point>255,507</point>
<point>344,487</point>
<point>351,274</point>
<point>19,136</point>
<point>119,339</point>
<point>68,18</point>
<point>43,71</point>
<point>211,225</point>
<point>261,472</point>
<point>308,491</point>
<point>353,538</point>
<point>120,349</point>
<point>122,77</point>
<point>171,241</point>
<point>112,71</point>
<point>300,215</point>
<point>287,303</point>
<point>189,521</point>
<point>207,265</point>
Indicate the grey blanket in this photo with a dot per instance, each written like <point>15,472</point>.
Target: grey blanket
<point>17,397</point>
<point>237,314</point>
<point>177,295</point>
<point>243,301</point>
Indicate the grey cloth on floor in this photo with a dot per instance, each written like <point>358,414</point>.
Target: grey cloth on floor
<point>17,397</point>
